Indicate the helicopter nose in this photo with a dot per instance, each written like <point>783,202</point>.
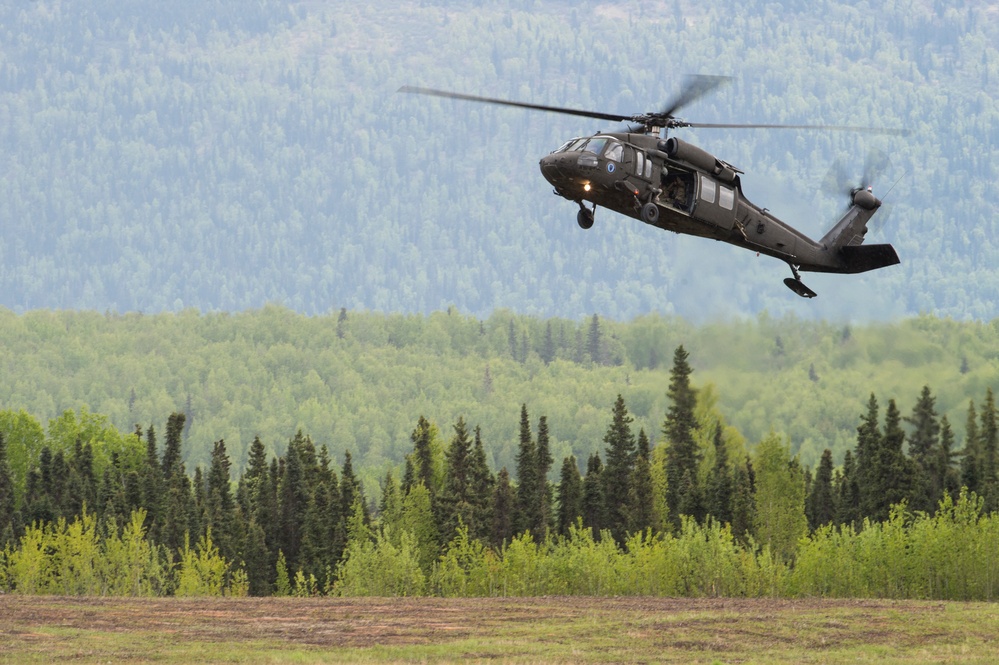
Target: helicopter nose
<point>550,169</point>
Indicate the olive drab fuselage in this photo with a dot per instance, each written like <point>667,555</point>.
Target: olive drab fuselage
<point>694,193</point>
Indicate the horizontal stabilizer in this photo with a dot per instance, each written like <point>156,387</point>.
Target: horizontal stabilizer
<point>861,258</point>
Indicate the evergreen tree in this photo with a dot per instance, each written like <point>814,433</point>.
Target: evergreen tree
<point>293,503</point>
<point>503,502</point>
<point>7,518</point>
<point>682,455</point>
<point>221,507</point>
<point>970,457</point>
<point>482,483</point>
<point>454,503</point>
<point>179,510</point>
<point>548,347</point>
<point>528,515</point>
<point>888,472</point>
<point>545,461</point>
<point>743,499</point>
<point>81,486</point>
<point>570,496</point>
<point>718,491</point>
<point>616,475</point>
<point>868,447</point>
<point>316,555</point>
<point>152,486</point>
<point>923,450</point>
<point>848,493</point>
<point>594,342</point>
<point>423,459</point>
<point>593,496</point>
<point>172,460</point>
<point>949,479</point>
<point>820,506</point>
<point>641,499</point>
<point>988,448</point>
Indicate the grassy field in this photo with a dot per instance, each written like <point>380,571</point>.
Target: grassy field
<point>536,630</point>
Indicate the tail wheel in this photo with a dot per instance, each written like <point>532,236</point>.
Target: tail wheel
<point>584,218</point>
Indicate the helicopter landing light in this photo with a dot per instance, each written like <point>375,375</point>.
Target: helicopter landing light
<point>586,187</point>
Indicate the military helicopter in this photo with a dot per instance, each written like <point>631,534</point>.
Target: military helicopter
<point>674,185</point>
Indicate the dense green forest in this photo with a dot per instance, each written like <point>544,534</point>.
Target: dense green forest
<point>357,381</point>
<point>222,155</point>
<point>682,518</point>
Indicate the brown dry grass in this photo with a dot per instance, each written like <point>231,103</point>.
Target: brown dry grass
<point>47,629</point>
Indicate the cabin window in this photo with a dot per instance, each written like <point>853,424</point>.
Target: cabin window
<point>726,197</point>
<point>639,163</point>
<point>648,169</point>
<point>707,189</point>
<point>615,152</point>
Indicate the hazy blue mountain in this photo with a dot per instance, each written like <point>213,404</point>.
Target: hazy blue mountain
<point>221,155</point>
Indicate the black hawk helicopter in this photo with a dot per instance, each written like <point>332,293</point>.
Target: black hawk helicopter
<point>669,183</point>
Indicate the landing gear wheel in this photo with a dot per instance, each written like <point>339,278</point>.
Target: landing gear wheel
<point>584,218</point>
<point>650,213</point>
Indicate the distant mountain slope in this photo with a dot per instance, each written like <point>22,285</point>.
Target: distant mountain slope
<point>224,155</point>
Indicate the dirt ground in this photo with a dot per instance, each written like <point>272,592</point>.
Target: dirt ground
<point>614,629</point>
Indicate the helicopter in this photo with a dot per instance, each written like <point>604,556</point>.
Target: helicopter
<point>672,184</point>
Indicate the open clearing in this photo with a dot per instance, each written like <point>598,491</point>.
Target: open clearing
<point>537,630</point>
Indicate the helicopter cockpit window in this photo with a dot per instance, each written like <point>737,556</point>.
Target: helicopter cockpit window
<point>707,189</point>
<point>565,146</point>
<point>574,144</point>
<point>596,146</point>
<point>615,152</point>
<point>639,163</point>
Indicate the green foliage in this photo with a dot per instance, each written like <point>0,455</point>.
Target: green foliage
<point>201,572</point>
<point>780,498</point>
<point>380,568</point>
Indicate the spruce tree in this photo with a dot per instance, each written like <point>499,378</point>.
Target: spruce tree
<point>718,491</point>
<point>988,449</point>
<point>867,452</point>
<point>545,461</point>
<point>422,459</point>
<point>743,500</point>
<point>593,496</point>
<point>923,450</point>
<point>594,342</point>
<point>889,473</point>
<point>570,496</point>
<point>820,506</point>
<point>949,479</point>
<point>528,515</point>
<point>293,502</point>
<point>482,483</point>
<point>172,461</point>
<point>454,503</point>
<point>7,524</point>
<point>682,454</point>
<point>616,475</point>
<point>970,456</point>
<point>152,486</point>
<point>641,502</point>
<point>221,507</point>
<point>848,511</point>
<point>503,501</point>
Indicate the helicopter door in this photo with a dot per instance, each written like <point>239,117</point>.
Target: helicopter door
<point>715,202</point>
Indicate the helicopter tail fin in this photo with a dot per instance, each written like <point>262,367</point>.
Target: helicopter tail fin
<point>850,230</point>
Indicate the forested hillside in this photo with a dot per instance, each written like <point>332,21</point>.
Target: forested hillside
<point>359,381</point>
<point>224,155</point>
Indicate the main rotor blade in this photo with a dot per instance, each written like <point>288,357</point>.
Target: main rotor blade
<point>503,102</point>
<point>836,128</point>
<point>694,88</point>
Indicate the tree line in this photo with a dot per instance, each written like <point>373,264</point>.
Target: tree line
<point>299,523</point>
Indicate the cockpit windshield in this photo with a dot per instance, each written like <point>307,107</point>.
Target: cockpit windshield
<point>595,145</point>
